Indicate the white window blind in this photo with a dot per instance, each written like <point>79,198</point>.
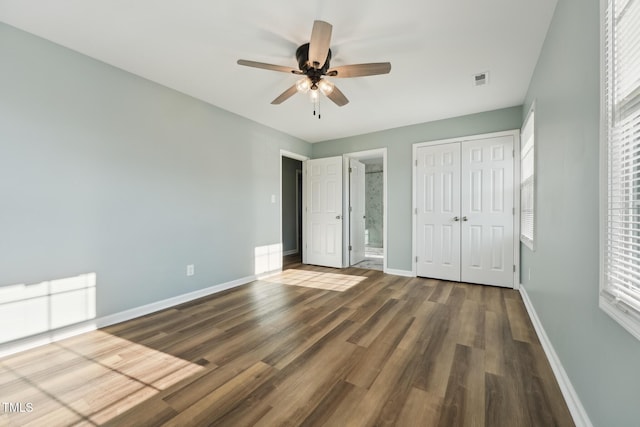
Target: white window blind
<point>620,287</point>
<point>527,181</point>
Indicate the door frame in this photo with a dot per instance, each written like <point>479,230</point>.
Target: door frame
<point>300,204</point>
<point>515,133</point>
<point>357,224</point>
<point>302,158</point>
<point>363,155</point>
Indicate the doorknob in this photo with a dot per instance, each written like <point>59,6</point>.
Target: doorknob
<point>455,218</point>
<point>339,217</point>
<point>464,218</point>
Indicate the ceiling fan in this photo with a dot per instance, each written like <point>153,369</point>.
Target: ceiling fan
<point>314,62</point>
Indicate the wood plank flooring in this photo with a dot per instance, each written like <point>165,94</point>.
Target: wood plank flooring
<point>309,347</point>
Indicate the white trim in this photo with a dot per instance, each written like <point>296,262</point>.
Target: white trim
<point>405,273</point>
<point>603,178</point>
<point>580,416</point>
<point>359,155</point>
<point>299,182</point>
<point>292,155</point>
<point>101,322</point>
<point>516,192</point>
<point>630,324</point>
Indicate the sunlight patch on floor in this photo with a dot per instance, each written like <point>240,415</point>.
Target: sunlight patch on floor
<point>91,378</point>
<point>317,280</point>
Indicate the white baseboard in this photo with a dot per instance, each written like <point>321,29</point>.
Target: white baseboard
<point>580,417</point>
<point>169,302</point>
<point>101,322</point>
<point>405,273</point>
<point>291,252</point>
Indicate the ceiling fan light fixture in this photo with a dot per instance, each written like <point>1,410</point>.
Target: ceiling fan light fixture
<point>326,87</point>
<point>314,95</point>
<point>314,65</point>
<point>303,85</point>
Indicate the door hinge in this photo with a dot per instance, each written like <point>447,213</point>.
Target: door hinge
<point>350,209</point>
<point>513,211</point>
<point>350,247</point>
<point>513,153</point>
<point>415,211</point>
<point>416,259</point>
<point>416,162</point>
<point>514,268</point>
<point>350,170</point>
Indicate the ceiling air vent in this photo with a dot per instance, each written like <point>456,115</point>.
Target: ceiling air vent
<point>481,79</point>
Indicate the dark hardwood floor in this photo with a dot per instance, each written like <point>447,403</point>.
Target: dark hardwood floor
<point>310,346</point>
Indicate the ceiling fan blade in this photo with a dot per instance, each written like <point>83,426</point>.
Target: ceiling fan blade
<point>262,65</point>
<point>319,43</point>
<point>359,70</point>
<point>338,97</point>
<point>285,95</point>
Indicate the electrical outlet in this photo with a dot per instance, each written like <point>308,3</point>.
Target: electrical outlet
<point>191,270</point>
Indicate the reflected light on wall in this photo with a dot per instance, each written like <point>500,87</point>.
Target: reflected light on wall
<point>45,306</point>
<point>268,258</point>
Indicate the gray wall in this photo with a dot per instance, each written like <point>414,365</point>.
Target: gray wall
<point>599,356</point>
<point>102,171</point>
<point>289,205</point>
<point>399,171</point>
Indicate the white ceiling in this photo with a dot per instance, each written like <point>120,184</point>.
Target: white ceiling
<point>434,46</point>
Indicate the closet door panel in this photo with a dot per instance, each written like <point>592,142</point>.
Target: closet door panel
<point>487,211</point>
<point>438,211</point>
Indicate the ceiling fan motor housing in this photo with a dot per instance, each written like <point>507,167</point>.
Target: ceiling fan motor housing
<point>314,74</point>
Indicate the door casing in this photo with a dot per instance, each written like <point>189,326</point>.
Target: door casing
<point>366,154</point>
<point>356,211</point>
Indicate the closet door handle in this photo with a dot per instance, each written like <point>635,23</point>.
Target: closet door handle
<point>464,218</point>
<point>455,218</point>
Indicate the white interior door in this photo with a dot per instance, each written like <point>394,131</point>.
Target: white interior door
<point>324,212</point>
<point>438,211</point>
<point>356,210</point>
<point>487,211</point>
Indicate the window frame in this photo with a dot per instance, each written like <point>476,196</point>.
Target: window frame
<point>628,318</point>
<point>530,120</point>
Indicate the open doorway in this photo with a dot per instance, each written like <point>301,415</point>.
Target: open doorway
<point>366,201</point>
<point>374,203</point>
<point>291,203</point>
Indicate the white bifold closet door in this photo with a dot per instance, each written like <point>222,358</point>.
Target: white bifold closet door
<point>464,218</point>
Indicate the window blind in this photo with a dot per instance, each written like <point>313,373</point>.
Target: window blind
<point>620,290</point>
<point>527,178</point>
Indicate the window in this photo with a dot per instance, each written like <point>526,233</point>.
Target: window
<point>620,276</point>
<point>527,178</point>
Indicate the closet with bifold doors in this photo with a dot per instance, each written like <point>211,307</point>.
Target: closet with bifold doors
<point>465,217</point>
